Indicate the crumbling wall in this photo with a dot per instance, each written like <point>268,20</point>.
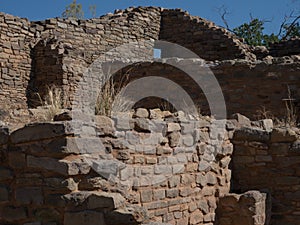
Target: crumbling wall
<point>172,177</point>
<point>268,160</point>
<point>56,52</point>
<point>75,44</point>
<point>202,37</point>
<point>250,208</point>
<point>134,175</point>
<point>40,166</point>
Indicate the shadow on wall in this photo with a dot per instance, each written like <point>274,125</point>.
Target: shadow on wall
<point>46,71</point>
<point>162,70</point>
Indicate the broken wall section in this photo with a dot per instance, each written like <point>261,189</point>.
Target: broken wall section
<point>78,43</point>
<point>172,177</point>
<point>268,160</point>
<point>202,37</point>
<point>73,45</point>
<point>39,168</point>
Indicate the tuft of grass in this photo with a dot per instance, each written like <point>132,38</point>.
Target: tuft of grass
<point>109,96</point>
<point>291,111</point>
<point>291,114</point>
<point>165,105</point>
<point>263,113</point>
<point>105,99</point>
<point>52,102</point>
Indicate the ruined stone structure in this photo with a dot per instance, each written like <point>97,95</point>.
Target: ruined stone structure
<point>158,167</point>
<point>37,54</point>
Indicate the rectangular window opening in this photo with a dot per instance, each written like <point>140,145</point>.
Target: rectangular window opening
<point>157,53</point>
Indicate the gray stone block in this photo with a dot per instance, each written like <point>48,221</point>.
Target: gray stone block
<point>172,127</point>
<point>35,132</point>
<point>251,134</point>
<point>63,167</point>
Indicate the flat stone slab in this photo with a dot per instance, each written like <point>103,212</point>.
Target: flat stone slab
<point>95,200</point>
<point>40,131</point>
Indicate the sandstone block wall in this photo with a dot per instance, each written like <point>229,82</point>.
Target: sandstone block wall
<point>248,208</point>
<point>202,37</point>
<point>248,87</point>
<point>55,51</point>
<point>39,52</point>
<point>170,178</point>
<point>15,60</point>
<point>40,174</point>
<point>69,46</point>
<point>268,160</point>
<point>50,175</point>
<point>287,47</point>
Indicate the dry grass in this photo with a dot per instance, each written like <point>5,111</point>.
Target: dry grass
<point>52,102</point>
<point>165,105</point>
<point>291,111</point>
<point>290,118</point>
<point>105,99</point>
<point>109,96</point>
<point>263,113</point>
<point>122,104</point>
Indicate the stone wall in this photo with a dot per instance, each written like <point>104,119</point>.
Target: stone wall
<point>287,47</point>
<point>45,53</point>
<point>76,44</point>
<point>179,173</point>
<point>248,208</point>
<point>40,169</point>
<point>55,52</point>
<point>249,88</point>
<point>15,60</point>
<point>238,80</point>
<point>203,37</point>
<point>48,177</point>
<point>268,160</point>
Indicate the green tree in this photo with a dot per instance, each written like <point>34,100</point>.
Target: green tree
<point>253,34</point>
<point>73,10</point>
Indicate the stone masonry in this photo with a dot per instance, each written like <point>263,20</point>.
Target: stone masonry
<point>146,166</point>
<point>54,52</point>
<point>187,173</point>
<point>175,177</point>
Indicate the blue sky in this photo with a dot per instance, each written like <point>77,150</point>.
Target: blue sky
<point>239,10</point>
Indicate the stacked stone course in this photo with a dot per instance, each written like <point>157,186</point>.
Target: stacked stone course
<point>167,178</point>
<point>268,160</point>
<point>47,176</point>
<point>158,167</point>
<point>55,51</point>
